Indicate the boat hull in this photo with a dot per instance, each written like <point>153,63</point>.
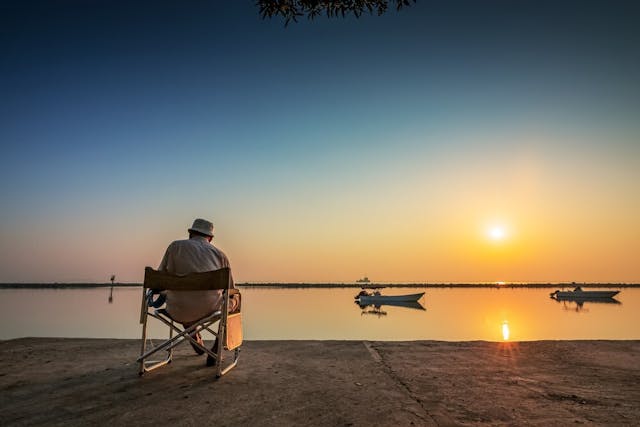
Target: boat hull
<point>584,295</point>
<point>382,299</point>
<point>406,304</point>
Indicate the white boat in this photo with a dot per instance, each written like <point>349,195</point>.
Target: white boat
<point>382,299</point>
<point>579,294</point>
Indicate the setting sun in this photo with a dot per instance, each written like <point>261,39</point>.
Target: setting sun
<point>497,233</point>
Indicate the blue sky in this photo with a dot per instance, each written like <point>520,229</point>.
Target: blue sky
<point>121,121</point>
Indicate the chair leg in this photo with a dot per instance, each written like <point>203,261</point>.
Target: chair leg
<point>145,365</point>
<point>236,356</point>
<point>222,331</point>
<point>171,337</point>
<point>221,344</point>
<point>144,343</point>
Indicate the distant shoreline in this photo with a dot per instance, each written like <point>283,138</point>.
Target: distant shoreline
<point>332,285</point>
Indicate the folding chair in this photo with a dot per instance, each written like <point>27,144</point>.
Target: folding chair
<point>229,331</point>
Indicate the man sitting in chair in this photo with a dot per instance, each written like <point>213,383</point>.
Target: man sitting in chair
<point>195,255</point>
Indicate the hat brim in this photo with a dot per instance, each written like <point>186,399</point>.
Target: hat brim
<point>206,233</point>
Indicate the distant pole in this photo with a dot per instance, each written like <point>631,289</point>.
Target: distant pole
<point>113,278</point>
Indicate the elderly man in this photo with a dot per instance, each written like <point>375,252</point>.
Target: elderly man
<point>195,255</point>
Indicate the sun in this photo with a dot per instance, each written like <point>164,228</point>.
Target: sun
<point>497,232</point>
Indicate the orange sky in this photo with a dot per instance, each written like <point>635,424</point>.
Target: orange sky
<point>565,217</point>
<point>389,146</point>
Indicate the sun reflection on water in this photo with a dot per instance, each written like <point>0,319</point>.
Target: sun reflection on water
<point>505,330</point>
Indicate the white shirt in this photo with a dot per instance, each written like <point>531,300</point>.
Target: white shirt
<point>195,255</point>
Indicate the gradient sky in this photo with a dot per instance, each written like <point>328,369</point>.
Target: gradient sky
<point>387,146</point>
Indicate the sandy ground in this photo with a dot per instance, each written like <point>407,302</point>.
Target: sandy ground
<point>51,382</point>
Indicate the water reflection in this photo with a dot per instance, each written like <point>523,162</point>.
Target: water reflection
<point>376,309</point>
<point>113,279</point>
<point>505,330</point>
<point>274,313</point>
<point>578,304</point>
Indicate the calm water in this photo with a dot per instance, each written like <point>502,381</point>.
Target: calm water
<point>445,314</point>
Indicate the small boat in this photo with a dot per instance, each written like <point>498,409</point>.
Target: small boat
<point>370,299</point>
<point>406,304</point>
<point>579,294</point>
<point>375,297</point>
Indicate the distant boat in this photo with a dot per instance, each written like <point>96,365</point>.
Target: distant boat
<point>579,294</point>
<point>365,279</point>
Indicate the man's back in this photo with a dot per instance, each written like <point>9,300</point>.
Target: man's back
<point>194,255</point>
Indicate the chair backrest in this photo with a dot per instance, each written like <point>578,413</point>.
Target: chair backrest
<point>160,280</point>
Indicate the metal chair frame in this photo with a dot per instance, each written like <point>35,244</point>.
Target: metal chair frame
<point>160,281</point>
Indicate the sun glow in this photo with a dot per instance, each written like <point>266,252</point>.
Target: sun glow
<point>497,233</point>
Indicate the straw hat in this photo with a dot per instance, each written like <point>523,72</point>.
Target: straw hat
<point>202,226</point>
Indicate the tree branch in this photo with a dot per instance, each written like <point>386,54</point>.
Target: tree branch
<point>291,10</point>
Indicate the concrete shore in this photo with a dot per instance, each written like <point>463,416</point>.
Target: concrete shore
<point>55,382</point>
